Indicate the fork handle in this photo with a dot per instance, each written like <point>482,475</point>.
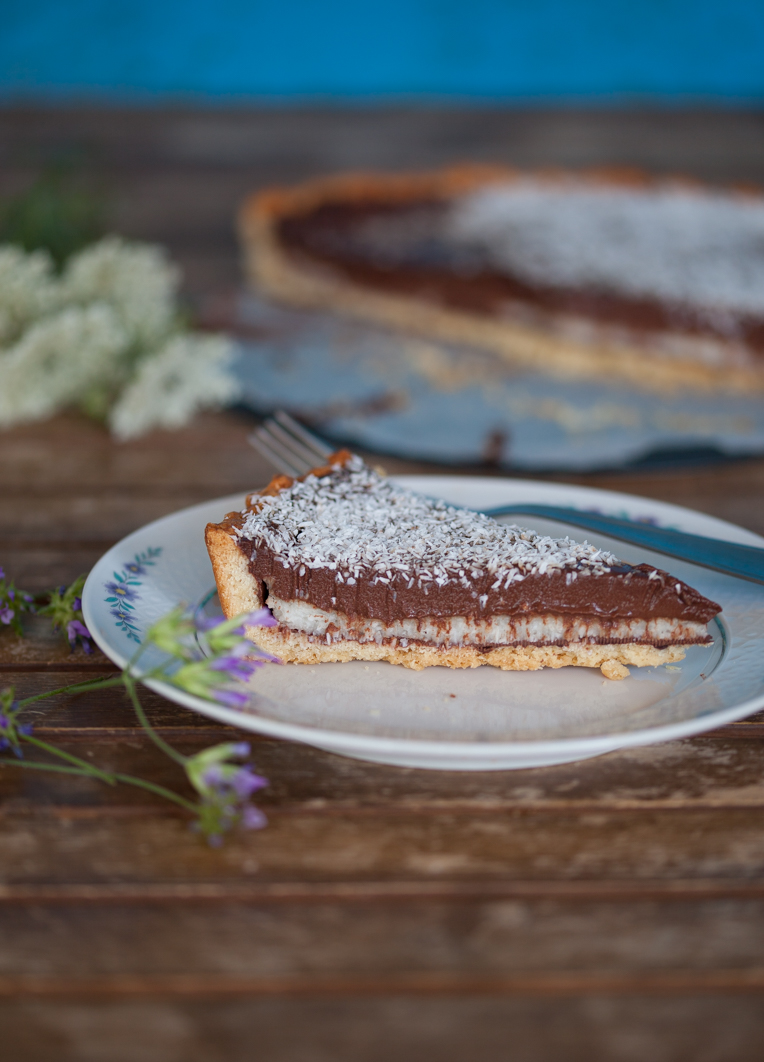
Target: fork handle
<point>746,562</point>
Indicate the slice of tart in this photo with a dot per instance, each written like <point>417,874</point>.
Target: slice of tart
<point>354,567</point>
<point>608,275</point>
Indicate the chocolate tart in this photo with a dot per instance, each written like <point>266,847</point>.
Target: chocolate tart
<point>609,274</point>
<point>354,567</point>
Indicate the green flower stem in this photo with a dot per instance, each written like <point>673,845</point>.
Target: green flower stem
<point>87,770</point>
<point>57,768</point>
<point>128,779</point>
<point>79,687</point>
<point>168,750</point>
<point>129,668</point>
<point>160,790</point>
<point>95,772</point>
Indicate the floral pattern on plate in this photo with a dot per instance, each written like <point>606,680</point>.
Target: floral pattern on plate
<point>123,590</point>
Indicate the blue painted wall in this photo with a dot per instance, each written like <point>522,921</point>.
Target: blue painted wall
<point>243,49</point>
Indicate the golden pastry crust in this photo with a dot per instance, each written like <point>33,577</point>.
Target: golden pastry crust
<point>295,279</point>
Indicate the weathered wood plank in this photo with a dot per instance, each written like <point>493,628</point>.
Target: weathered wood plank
<point>134,844</point>
<point>206,987</point>
<point>38,570</point>
<point>420,942</point>
<point>387,890</point>
<point>69,455</point>
<point>605,1027</point>
<point>113,513</point>
<point>694,774</point>
<point>708,141</point>
<point>42,649</point>
<point>101,715</point>
<point>72,455</point>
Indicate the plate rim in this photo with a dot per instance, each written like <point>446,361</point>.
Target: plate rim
<point>445,749</point>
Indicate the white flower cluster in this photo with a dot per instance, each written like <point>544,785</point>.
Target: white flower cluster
<point>105,335</point>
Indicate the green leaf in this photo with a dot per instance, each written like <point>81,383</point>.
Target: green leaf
<point>57,213</point>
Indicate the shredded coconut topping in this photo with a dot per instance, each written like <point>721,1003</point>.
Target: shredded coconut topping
<point>354,521</point>
<point>700,249</point>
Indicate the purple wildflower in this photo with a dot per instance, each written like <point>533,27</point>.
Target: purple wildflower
<point>245,649</point>
<point>246,782</point>
<point>225,789</point>
<point>10,729</point>
<point>231,698</point>
<point>13,604</point>
<point>213,776</point>
<point>242,648</point>
<point>252,818</point>
<point>268,657</point>
<point>135,568</point>
<point>249,655</point>
<point>76,629</point>
<point>262,618</point>
<point>236,667</point>
<point>65,611</point>
<point>227,659</point>
<point>228,790</point>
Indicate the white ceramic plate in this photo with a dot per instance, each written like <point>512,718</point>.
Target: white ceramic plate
<point>482,719</point>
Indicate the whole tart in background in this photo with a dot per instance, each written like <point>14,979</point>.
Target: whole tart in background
<point>608,275</point>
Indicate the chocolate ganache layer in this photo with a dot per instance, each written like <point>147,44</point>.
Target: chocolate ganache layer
<point>620,592</point>
<point>347,540</point>
<point>421,247</point>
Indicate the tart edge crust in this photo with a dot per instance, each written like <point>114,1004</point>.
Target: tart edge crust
<point>306,283</point>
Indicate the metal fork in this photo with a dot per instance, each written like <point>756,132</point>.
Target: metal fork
<point>292,449</point>
<point>288,446</point>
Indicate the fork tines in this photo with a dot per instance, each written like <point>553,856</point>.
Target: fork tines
<point>288,446</point>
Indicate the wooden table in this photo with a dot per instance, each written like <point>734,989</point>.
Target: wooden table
<point>612,909</point>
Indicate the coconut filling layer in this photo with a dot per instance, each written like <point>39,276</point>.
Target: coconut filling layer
<point>331,627</point>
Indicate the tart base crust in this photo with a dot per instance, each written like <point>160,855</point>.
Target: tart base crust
<point>239,592</point>
<point>308,283</point>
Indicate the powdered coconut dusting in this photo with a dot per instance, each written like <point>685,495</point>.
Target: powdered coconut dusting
<point>699,249</point>
<point>355,521</point>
